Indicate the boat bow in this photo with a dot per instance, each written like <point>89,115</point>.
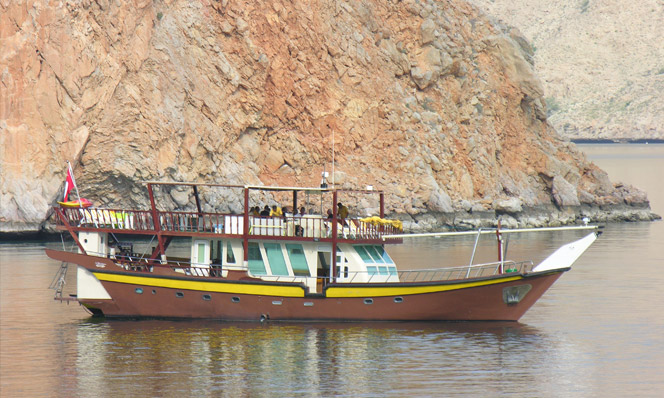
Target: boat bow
<point>567,254</point>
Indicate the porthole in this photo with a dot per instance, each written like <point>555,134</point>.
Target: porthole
<point>277,302</point>
<point>154,291</point>
<point>235,299</point>
<point>179,294</point>
<point>368,301</point>
<point>207,297</point>
<point>398,299</point>
<point>138,290</point>
<point>308,304</point>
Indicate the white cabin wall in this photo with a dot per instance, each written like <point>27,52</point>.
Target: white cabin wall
<point>94,243</point>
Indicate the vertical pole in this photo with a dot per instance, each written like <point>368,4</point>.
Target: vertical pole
<point>199,218</point>
<point>382,205</point>
<point>333,160</point>
<point>334,236</point>
<point>155,221</point>
<point>198,200</point>
<point>472,256</point>
<point>499,237</point>
<point>294,201</point>
<point>245,229</point>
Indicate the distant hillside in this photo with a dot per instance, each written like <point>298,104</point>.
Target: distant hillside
<point>601,63</point>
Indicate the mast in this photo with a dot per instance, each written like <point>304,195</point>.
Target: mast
<point>155,221</point>
<point>245,228</point>
<point>333,258</point>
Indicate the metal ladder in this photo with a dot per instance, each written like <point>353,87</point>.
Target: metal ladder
<point>59,282</point>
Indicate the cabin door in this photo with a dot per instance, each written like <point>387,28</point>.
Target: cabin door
<point>200,253</point>
<point>342,267</point>
<point>200,258</point>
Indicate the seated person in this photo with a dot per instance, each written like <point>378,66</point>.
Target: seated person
<point>276,211</point>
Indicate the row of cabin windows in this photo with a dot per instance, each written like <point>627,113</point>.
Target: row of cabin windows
<point>377,260</point>
<point>275,258</point>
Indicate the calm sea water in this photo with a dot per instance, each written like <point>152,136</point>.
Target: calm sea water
<point>598,332</point>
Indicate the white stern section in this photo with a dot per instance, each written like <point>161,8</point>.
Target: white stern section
<point>566,255</point>
<point>88,286</point>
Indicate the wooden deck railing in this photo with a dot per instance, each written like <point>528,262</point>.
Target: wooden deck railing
<point>308,226</point>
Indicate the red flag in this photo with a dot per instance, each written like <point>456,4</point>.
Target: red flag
<point>69,183</point>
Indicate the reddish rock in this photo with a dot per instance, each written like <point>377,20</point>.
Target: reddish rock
<point>256,92</point>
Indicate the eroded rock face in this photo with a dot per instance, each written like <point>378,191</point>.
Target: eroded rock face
<point>427,101</point>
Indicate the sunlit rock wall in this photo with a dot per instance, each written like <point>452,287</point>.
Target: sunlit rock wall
<point>426,100</point>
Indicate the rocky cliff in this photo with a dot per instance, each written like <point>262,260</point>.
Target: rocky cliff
<point>430,101</point>
<point>601,63</point>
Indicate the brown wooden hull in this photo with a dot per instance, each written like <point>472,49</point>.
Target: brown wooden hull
<point>171,295</point>
<point>470,304</point>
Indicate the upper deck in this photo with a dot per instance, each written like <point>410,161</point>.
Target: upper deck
<point>307,227</point>
<point>177,223</point>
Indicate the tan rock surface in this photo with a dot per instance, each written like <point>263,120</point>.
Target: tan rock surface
<point>601,63</point>
<point>428,101</point>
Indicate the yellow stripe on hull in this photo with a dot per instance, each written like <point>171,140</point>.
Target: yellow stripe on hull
<point>382,291</point>
<point>294,291</point>
<point>233,288</point>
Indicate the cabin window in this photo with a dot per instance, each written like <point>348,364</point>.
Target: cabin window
<point>373,254</point>
<point>179,294</point>
<point>139,290</point>
<point>372,270</point>
<point>298,260</point>
<point>256,264</point>
<point>368,301</point>
<point>201,253</point>
<point>383,254</point>
<point>230,257</point>
<point>207,297</point>
<point>276,258</point>
<point>216,252</point>
<point>235,299</point>
<point>398,300</point>
<point>363,254</point>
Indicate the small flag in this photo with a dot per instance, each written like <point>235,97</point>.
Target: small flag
<point>69,183</point>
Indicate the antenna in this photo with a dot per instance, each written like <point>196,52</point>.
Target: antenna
<point>325,174</point>
<point>333,157</point>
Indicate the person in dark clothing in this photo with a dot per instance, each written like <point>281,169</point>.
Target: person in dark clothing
<point>266,211</point>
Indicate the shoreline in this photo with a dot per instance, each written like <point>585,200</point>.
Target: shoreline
<point>639,141</point>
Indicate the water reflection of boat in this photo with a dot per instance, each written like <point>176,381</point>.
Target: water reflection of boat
<point>297,359</point>
<point>247,267</point>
